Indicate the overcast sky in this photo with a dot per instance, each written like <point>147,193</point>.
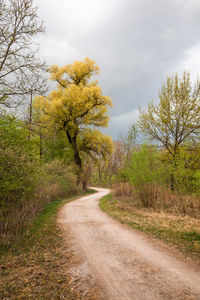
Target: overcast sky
<point>136,44</point>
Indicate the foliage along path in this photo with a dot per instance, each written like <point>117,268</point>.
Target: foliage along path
<point>125,263</point>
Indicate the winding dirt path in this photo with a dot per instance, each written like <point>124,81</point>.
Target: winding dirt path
<point>127,264</point>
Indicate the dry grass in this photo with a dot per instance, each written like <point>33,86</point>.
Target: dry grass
<point>183,231</point>
<point>123,189</point>
<point>173,217</point>
<point>56,182</point>
<point>38,266</point>
<point>158,198</point>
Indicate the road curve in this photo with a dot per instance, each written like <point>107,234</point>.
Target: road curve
<point>127,264</point>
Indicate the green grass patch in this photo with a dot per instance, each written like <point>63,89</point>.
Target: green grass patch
<point>181,231</point>
<point>51,209</point>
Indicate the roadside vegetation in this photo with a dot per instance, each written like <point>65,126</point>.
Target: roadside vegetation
<point>181,231</point>
<point>49,143</point>
<point>37,266</point>
<point>156,184</point>
<point>28,183</point>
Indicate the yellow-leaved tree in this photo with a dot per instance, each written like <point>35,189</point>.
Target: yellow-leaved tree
<point>77,106</point>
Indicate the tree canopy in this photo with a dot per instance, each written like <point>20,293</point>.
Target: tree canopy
<point>176,118</point>
<point>77,106</point>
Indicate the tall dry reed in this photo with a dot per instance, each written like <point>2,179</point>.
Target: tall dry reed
<point>158,198</point>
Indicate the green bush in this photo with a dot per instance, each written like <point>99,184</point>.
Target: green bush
<point>145,171</point>
<point>18,163</point>
<point>56,173</point>
<point>187,179</point>
<point>27,184</point>
<point>144,167</point>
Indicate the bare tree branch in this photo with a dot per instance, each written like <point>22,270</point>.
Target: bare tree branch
<point>19,24</point>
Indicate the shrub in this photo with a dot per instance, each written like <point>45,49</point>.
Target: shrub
<point>53,182</point>
<point>144,167</point>
<point>148,172</point>
<point>26,184</point>
<point>18,163</point>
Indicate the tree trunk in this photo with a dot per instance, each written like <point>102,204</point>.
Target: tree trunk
<point>100,174</point>
<point>84,185</point>
<point>30,116</point>
<point>172,181</point>
<point>77,159</point>
<point>54,143</point>
<point>78,162</point>
<point>41,147</point>
<point>172,173</point>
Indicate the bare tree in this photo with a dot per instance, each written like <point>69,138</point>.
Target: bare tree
<point>131,141</point>
<point>35,84</point>
<point>19,24</point>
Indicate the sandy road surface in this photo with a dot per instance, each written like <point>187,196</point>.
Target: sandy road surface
<point>127,264</point>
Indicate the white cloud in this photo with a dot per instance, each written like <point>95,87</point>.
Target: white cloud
<point>191,63</point>
<point>58,51</point>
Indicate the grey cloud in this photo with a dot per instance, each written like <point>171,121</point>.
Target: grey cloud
<point>136,43</point>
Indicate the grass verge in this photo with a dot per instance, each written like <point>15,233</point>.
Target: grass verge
<point>180,231</point>
<point>36,267</point>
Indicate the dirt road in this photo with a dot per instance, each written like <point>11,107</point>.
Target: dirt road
<point>127,264</point>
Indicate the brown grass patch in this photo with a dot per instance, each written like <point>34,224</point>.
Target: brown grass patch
<point>38,266</point>
<point>183,231</point>
<point>158,198</point>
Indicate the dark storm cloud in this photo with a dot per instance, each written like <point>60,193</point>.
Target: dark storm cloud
<point>135,43</point>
